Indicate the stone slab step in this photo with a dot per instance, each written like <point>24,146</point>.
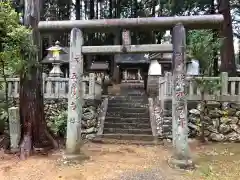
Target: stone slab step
<point>136,101</point>
<point>167,120</point>
<point>126,131</point>
<point>127,105</point>
<point>128,109</point>
<point>123,114</point>
<point>132,115</point>
<point>126,120</point>
<point>167,113</point>
<point>127,125</point>
<point>132,85</point>
<point>142,137</point>
<point>167,129</point>
<point>140,100</point>
<point>104,139</point>
<point>128,96</point>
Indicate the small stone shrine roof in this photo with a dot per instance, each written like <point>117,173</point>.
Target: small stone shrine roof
<point>99,66</point>
<point>161,56</point>
<point>132,58</point>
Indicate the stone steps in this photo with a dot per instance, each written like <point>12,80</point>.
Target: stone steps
<point>127,125</point>
<point>137,115</point>
<point>142,137</point>
<point>127,100</point>
<point>127,116</point>
<point>143,141</point>
<point>128,109</point>
<point>127,131</point>
<point>109,119</point>
<point>126,105</point>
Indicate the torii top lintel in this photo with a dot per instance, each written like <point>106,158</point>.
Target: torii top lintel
<point>151,23</point>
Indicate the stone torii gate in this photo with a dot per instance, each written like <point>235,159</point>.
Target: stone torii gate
<point>181,156</point>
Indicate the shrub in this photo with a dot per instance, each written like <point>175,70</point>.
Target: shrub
<point>58,124</point>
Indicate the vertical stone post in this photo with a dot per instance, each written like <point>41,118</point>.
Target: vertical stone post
<point>75,99</point>
<point>181,157</point>
<point>114,67</point>
<point>126,37</point>
<point>224,83</point>
<point>92,83</point>
<point>44,77</point>
<point>124,74</point>
<point>138,75</point>
<point>14,128</point>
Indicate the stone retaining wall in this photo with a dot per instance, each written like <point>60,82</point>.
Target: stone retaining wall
<point>222,121</point>
<point>91,109</point>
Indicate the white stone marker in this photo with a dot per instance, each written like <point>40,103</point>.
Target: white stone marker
<point>14,128</point>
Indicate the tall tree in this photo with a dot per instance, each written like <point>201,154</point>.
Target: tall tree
<point>34,132</point>
<point>78,9</point>
<point>215,35</point>
<point>227,54</point>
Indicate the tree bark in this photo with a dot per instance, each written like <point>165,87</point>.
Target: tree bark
<point>31,97</point>
<point>215,33</point>
<point>227,55</point>
<point>78,9</point>
<point>110,9</point>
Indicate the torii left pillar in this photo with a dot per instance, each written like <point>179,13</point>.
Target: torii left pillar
<point>75,96</point>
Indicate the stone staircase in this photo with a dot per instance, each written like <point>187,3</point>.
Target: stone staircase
<point>127,115</point>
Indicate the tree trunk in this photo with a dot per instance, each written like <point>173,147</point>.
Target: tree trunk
<point>160,34</point>
<point>154,3</point>
<point>227,55</point>
<point>90,35</point>
<point>34,133</point>
<point>86,8</point>
<point>78,9</point>
<point>110,9</point>
<point>215,35</point>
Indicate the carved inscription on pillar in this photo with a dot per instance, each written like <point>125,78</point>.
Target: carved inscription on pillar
<point>179,105</point>
<point>75,98</point>
<point>126,37</point>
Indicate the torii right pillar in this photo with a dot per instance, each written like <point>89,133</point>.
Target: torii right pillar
<point>181,157</point>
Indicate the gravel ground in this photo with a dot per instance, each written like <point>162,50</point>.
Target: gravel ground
<point>106,162</point>
<point>151,174</point>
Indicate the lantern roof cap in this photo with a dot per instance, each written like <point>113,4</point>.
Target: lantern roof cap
<point>57,47</point>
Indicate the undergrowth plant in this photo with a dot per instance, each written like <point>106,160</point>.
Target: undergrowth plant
<point>201,46</point>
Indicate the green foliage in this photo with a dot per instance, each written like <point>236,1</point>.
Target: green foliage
<point>207,85</point>
<point>3,116</point>
<point>16,43</point>
<point>58,124</point>
<point>201,46</point>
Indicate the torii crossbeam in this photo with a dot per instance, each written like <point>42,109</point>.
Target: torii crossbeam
<point>151,23</point>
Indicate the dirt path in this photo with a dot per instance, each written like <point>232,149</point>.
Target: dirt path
<point>107,162</point>
<point>126,162</point>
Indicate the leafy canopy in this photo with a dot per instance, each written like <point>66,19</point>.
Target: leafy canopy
<point>16,46</point>
<point>201,46</point>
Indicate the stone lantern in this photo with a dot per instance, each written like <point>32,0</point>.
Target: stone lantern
<point>54,56</point>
